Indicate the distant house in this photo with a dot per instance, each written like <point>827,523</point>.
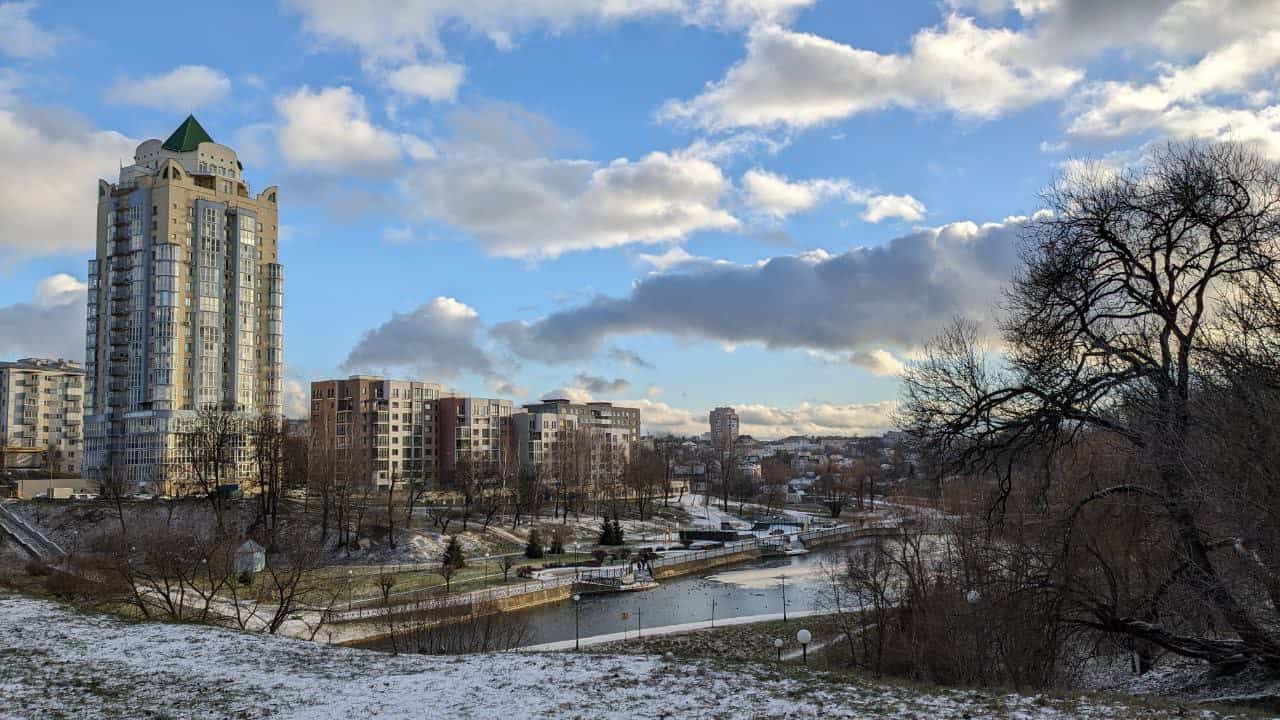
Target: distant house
<point>250,557</point>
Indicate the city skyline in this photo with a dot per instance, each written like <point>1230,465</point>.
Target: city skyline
<point>623,205</point>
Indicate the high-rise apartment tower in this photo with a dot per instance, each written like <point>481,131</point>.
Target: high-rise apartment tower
<point>186,305</point>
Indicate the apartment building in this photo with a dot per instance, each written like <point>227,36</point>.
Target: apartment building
<point>185,305</point>
<point>539,436</point>
<point>382,428</point>
<point>474,428</point>
<point>604,435</point>
<point>724,428</point>
<point>42,414</point>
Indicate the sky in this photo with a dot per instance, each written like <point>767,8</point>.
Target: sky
<point>672,204</point>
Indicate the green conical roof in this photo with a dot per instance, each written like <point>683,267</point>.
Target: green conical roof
<point>188,135</point>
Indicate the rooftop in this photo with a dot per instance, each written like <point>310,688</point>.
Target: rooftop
<point>187,137</point>
<point>43,364</point>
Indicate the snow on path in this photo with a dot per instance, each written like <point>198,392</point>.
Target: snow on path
<point>60,663</point>
<point>664,630</point>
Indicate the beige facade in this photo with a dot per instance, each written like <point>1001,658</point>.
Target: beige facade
<point>186,303</point>
<point>42,414</point>
<point>381,428</point>
<point>724,428</point>
<point>600,434</point>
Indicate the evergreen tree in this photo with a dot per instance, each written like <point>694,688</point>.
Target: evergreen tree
<point>617,532</point>
<point>453,554</point>
<point>533,549</point>
<point>606,533</point>
<point>557,543</point>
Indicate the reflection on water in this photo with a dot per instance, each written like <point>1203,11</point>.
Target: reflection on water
<point>753,588</point>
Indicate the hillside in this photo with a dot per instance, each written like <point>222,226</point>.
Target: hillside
<point>61,663</point>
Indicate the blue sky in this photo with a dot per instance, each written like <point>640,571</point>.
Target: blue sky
<point>674,203</point>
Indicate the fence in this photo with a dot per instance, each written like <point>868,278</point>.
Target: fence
<point>460,604</point>
<point>424,601</point>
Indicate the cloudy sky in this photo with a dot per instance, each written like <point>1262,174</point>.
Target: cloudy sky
<point>673,203</point>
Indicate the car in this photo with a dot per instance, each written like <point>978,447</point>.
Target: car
<point>141,496</point>
<point>296,494</point>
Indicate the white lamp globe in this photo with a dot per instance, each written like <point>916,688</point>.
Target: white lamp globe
<point>803,637</point>
<point>777,642</point>
<point>973,597</point>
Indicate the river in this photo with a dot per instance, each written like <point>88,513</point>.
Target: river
<point>749,588</point>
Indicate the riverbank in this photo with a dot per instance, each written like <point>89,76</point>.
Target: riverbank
<point>62,664</point>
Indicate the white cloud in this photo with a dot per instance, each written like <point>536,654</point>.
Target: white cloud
<point>771,422</point>
<point>329,131</point>
<point>493,181</point>
<point>51,162</point>
<point>799,80</point>
<point>777,197</point>
<point>297,395</point>
<point>52,325</point>
<point>764,421</point>
<point>437,340</point>
<point>184,88</point>
<point>19,36</point>
<point>1215,98</point>
<point>671,258</point>
<point>878,362</point>
<point>436,82</point>
<point>407,30</point>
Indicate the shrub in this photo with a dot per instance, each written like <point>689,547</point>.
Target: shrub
<point>533,549</point>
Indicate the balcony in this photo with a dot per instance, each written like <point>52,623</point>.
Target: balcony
<point>118,386</point>
<point>121,265</point>
<point>118,371</point>
<point>118,279</point>
<point>120,308</point>
<point>121,293</point>
<point>119,356</point>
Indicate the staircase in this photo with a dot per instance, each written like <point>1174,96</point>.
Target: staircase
<point>28,538</point>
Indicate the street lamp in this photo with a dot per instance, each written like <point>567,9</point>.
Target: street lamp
<point>576,598</point>
<point>783,578</point>
<point>777,644</point>
<point>803,637</point>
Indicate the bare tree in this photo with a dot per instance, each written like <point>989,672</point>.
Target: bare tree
<point>1108,330</point>
<point>210,441</point>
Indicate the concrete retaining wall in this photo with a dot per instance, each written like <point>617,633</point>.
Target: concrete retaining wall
<point>669,571</point>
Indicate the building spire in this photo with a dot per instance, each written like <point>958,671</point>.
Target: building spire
<point>187,137</point>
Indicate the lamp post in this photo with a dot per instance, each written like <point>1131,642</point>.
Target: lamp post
<point>777,644</point>
<point>576,598</point>
<point>803,637</point>
<point>783,578</point>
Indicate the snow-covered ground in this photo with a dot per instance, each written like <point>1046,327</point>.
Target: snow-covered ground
<point>59,663</point>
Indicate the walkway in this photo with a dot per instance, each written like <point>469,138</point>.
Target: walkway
<point>664,630</point>
<point>30,539</point>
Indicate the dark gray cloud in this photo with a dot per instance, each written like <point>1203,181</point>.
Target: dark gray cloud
<point>891,296</point>
<point>628,357</point>
<point>597,385</point>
